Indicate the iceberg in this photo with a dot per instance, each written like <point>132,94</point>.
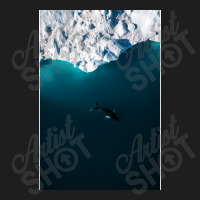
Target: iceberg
<point>91,38</point>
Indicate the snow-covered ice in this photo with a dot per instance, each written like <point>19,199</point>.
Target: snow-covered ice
<point>91,38</point>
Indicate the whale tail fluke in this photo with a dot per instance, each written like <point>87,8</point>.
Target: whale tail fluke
<point>96,106</point>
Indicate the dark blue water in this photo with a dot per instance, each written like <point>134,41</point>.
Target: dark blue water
<point>68,90</point>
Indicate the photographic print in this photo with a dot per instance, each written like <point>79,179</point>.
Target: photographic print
<point>99,99</point>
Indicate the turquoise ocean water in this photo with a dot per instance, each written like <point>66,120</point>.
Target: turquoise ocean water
<point>67,90</point>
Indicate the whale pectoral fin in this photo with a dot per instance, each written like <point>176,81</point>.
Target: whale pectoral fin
<point>107,117</point>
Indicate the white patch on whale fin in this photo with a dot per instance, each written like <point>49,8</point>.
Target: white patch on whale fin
<point>107,117</point>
